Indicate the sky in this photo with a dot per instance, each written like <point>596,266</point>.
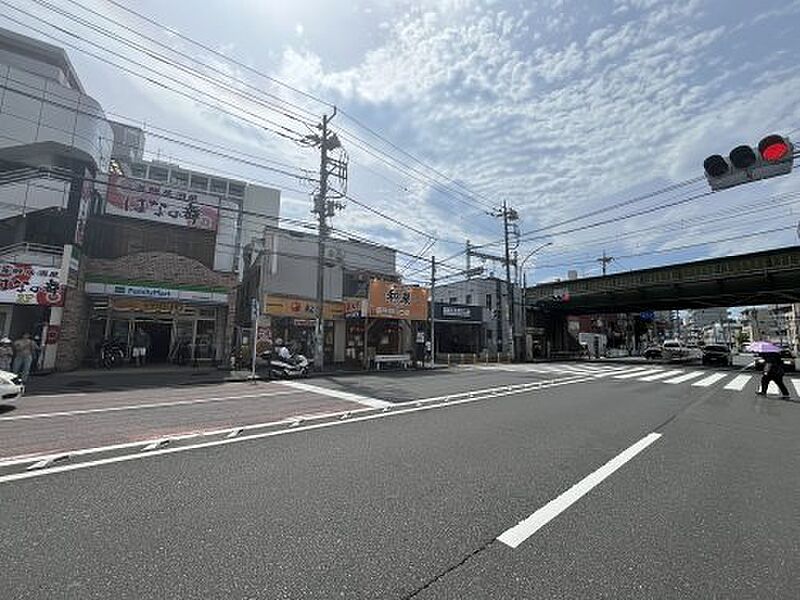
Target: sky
<point>561,108</point>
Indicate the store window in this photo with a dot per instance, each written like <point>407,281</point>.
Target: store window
<point>158,174</point>
<point>179,178</point>
<point>219,186</point>
<point>139,170</point>
<point>205,340</point>
<point>199,183</point>
<point>236,189</point>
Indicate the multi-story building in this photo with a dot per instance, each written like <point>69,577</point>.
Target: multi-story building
<point>165,252</point>
<point>282,275</point>
<point>490,293</point>
<point>766,323</point>
<point>54,141</point>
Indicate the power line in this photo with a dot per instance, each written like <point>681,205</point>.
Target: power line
<point>149,79</point>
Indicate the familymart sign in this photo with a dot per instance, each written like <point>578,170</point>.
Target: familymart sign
<point>155,292</point>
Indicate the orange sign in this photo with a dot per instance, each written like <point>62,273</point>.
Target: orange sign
<point>299,308</point>
<point>389,300</point>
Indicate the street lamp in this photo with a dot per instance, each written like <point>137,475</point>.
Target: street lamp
<point>524,260</point>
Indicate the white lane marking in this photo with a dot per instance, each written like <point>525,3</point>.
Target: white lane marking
<point>685,377</point>
<point>315,389</point>
<point>663,375</point>
<point>738,383</point>
<point>711,380</point>
<point>796,385</point>
<point>772,389</point>
<point>485,392</point>
<point>636,372</point>
<point>431,404</point>
<point>90,411</point>
<point>514,536</point>
<point>618,371</point>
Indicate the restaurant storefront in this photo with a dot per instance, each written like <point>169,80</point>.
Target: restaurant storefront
<point>395,313</point>
<point>293,320</point>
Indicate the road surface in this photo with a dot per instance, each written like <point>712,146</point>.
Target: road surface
<point>512,481</point>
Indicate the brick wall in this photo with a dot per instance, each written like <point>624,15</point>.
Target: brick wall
<point>72,339</point>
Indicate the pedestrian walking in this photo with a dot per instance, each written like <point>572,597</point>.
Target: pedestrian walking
<point>6,354</point>
<point>24,349</point>
<point>773,371</point>
<point>141,342</point>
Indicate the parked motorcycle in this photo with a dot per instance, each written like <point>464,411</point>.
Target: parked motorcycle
<point>296,365</point>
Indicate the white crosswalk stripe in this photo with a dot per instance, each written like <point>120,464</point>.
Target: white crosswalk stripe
<point>737,383</point>
<point>711,380</point>
<point>699,378</point>
<point>636,372</point>
<point>663,375</point>
<point>685,377</point>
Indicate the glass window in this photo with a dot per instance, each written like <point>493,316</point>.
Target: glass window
<point>199,182</point>
<point>237,189</point>
<point>219,186</point>
<point>179,177</point>
<point>158,173</point>
<point>453,299</point>
<point>469,299</point>
<point>139,170</point>
<point>204,341</point>
<point>488,301</point>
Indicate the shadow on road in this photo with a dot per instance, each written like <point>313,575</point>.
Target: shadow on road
<point>6,408</point>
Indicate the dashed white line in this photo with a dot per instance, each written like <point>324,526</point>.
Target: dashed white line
<point>796,385</point>
<point>710,380</point>
<point>737,383</point>
<point>514,536</point>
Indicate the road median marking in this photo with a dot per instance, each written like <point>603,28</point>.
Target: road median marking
<point>431,403</point>
<point>323,391</point>
<point>514,536</point>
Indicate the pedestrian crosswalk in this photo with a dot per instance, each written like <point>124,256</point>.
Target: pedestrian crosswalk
<point>690,377</point>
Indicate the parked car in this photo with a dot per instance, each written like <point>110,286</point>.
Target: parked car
<point>652,352</point>
<point>787,358</point>
<point>675,350</point>
<point>717,354</point>
<point>11,386</point>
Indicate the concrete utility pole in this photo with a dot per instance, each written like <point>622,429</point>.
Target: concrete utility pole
<point>433,307</point>
<point>323,208</point>
<point>605,260</point>
<point>509,215</point>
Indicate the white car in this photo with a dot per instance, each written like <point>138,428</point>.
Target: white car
<point>11,386</point>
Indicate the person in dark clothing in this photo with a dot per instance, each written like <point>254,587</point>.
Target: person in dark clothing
<point>773,371</point>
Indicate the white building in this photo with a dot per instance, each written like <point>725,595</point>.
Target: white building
<point>766,323</point>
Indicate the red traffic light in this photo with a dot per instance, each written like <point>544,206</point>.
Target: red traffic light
<point>773,148</point>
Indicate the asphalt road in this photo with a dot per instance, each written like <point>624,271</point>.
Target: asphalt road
<point>409,503</point>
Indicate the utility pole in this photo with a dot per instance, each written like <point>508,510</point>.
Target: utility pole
<point>605,260</point>
<point>324,208</point>
<point>509,215</point>
<point>433,307</point>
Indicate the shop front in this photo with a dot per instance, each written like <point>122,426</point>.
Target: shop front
<point>181,324</point>
<point>459,328</point>
<point>293,320</point>
<point>395,313</point>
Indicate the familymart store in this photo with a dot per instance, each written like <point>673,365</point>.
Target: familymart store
<point>182,322</point>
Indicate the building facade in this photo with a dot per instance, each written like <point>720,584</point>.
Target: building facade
<point>54,142</point>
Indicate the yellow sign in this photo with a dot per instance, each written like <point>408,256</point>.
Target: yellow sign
<point>151,307</point>
<point>299,308</point>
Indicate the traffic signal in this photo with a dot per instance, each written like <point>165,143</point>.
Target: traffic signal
<point>773,156</point>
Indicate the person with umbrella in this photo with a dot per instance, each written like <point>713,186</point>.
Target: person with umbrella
<point>773,367</point>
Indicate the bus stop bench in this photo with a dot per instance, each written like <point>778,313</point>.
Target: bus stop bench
<point>398,359</point>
